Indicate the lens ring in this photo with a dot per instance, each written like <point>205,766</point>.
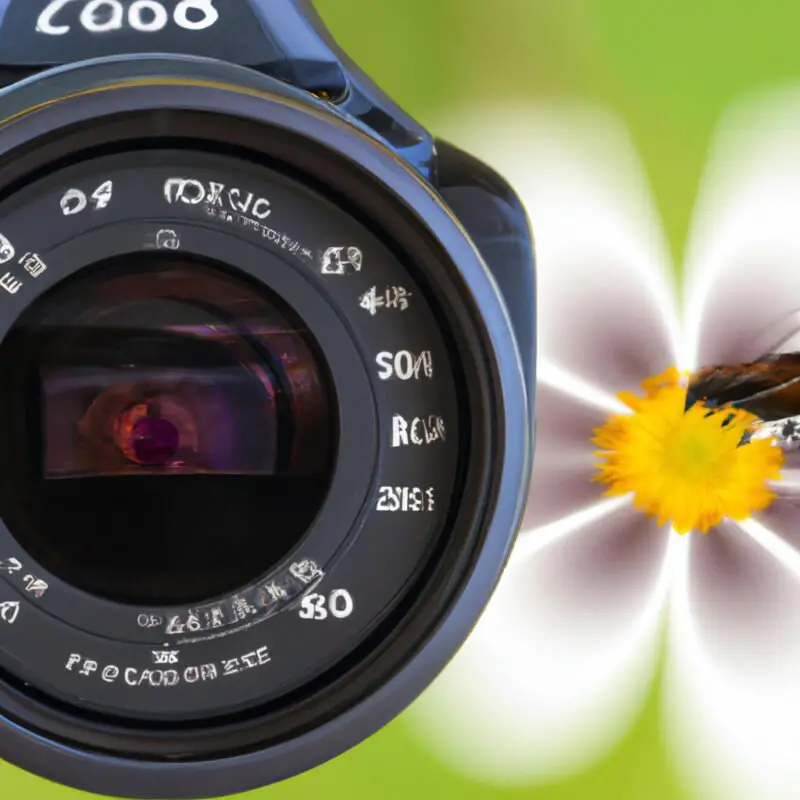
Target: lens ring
<point>185,418</point>
<point>447,608</point>
<point>403,538</point>
<point>352,479</point>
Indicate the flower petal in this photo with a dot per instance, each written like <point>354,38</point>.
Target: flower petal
<point>742,280</point>
<point>733,694</point>
<point>558,665</point>
<point>783,516</point>
<point>564,463</point>
<point>606,306</point>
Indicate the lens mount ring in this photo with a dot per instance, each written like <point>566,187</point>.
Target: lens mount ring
<point>103,99</point>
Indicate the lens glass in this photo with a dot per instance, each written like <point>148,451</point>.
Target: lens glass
<point>172,428</point>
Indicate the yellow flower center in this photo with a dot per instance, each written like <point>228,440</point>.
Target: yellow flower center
<point>685,466</point>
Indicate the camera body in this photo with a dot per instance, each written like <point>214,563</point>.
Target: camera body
<point>286,40</point>
<point>268,358</point>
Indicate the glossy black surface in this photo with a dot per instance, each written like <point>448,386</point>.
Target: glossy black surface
<point>403,654</point>
<point>497,223</point>
<point>283,39</point>
<point>328,123</point>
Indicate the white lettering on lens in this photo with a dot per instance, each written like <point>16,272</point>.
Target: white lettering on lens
<point>338,604</point>
<point>306,571</point>
<point>405,365</point>
<point>75,201</point>
<point>419,431</point>
<point>193,192</point>
<point>168,239</point>
<point>187,190</point>
<point>166,656</point>
<point>405,498</point>
<point>10,566</point>
<point>33,264</point>
<point>274,592</point>
<point>392,297</point>
<point>102,195</point>
<point>143,16</point>
<point>152,677</point>
<point>88,667</point>
<point>10,283</point>
<point>78,664</point>
<point>336,262</point>
<point>256,658</point>
<point>74,659</point>
<point>238,204</point>
<point>241,608</point>
<point>35,586</point>
<point>7,251</point>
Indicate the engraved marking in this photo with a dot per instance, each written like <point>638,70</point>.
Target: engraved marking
<point>335,261</point>
<point>166,656</point>
<point>35,586</point>
<point>392,297</point>
<point>306,571</point>
<point>405,365</point>
<point>405,498</point>
<point>418,431</point>
<point>9,611</point>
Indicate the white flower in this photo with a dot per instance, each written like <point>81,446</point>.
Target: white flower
<point>557,668</point>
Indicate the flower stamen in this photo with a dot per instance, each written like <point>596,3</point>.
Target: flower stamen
<point>691,466</point>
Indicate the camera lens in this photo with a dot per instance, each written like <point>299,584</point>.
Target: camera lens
<point>172,429</point>
<point>263,430</point>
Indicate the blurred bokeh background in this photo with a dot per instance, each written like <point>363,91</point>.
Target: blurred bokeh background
<point>669,70</point>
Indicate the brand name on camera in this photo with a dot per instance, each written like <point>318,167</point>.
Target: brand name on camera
<point>144,16</point>
<point>213,194</point>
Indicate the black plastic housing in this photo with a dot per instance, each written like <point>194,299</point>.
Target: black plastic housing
<point>120,105</point>
<point>267,82</point>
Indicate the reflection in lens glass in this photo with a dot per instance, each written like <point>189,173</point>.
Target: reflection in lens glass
<point>172,427</point>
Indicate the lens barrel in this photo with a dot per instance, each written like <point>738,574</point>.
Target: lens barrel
<point>264,425</point>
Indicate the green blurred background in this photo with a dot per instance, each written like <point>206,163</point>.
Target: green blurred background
<point>669,68</point>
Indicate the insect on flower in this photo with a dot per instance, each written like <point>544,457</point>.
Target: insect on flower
<point>768,387</point>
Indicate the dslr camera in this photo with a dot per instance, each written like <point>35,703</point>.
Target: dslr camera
<point>267,358</point>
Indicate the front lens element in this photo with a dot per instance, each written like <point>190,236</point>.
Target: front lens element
<point>174,430</point>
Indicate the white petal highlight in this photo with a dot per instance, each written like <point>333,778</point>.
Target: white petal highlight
<point>743,263</point>
<point>732,702</point>
<point>549,374</point>
<point>564,463</point>
<point>606,306</point>
<point>557,667</point>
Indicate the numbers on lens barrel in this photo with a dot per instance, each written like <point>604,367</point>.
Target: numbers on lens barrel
<point>149,621</point>
<point>405,498</point>
<point>391,298</point>
<point>338,604</point>
<point>75,201</point>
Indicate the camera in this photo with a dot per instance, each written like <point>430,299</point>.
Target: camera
<point>267,358</point>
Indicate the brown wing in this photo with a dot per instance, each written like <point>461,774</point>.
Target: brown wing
<point>769,387</point>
